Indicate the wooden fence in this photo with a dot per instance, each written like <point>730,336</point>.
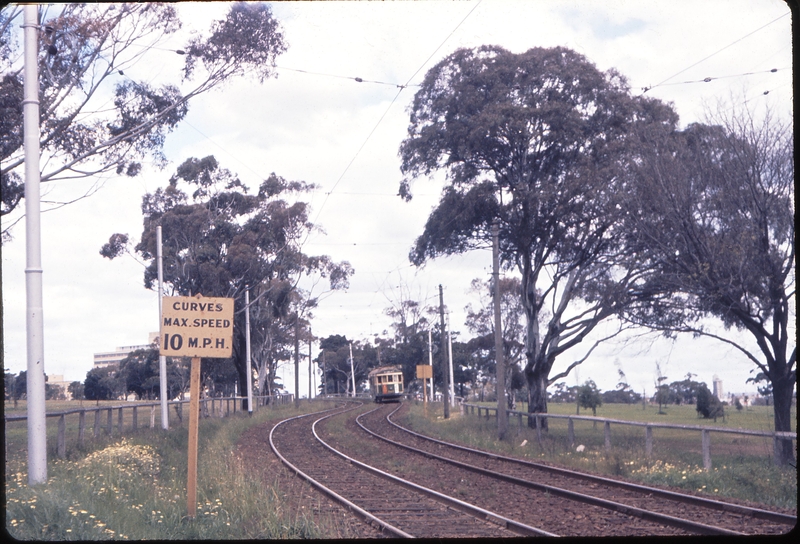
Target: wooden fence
<point>705,431</point>
<point>209,407</point>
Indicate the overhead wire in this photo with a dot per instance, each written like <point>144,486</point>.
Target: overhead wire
<point>383,116</point>
<point>646,89</point>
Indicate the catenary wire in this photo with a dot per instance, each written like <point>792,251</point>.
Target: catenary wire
<point>646,89</point>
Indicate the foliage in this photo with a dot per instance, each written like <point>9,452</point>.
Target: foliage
<point>219,241</point>
<point>76,390</point>
<point>623,394</point>
<point>714,214</point>
<point>85,51</point>
<point>16,387</point>
<point>334,355</point>
<point>589,396</point>
<point>708,405</point>
<point>562,393</point>
<point>103,384</point>
<point>539,141</point>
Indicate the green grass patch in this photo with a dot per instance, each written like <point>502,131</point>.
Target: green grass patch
<point>741,466</point>
<point>135,488</point>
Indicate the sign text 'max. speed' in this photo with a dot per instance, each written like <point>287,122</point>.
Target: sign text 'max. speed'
<point>196,327</point>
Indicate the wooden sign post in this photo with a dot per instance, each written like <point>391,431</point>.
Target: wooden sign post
<point>194,424</point>
<point>195,327</point>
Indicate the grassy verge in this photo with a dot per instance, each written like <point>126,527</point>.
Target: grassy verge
<point>740,467</point>
<point>135,488</point>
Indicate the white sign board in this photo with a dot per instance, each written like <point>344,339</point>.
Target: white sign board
<point>196,327</point>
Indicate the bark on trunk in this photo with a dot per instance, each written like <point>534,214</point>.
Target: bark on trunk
<point>537,397</point>
<point>782,390</point>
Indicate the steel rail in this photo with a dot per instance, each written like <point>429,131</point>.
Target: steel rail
<point>641,513</point>
<point>471,509</point>
<point>355,509</point>
<point>760,513</point>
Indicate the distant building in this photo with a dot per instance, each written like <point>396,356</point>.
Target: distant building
<point>58,379</point>
<point>108,358</point>
<point>718,388</point>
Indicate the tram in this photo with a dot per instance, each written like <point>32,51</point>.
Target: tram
<point>386,384</point>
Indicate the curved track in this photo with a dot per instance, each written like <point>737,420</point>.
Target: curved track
<point>685,513</point>
<point>395,506</point>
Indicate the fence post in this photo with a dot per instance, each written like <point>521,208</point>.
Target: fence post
<point>570,432</point>
<point>81,426</point>
<point>706,449</point>
<point>62,428</point>
<point>538,429</point>
<point>607,435</point>
<point>648,441</point>
<point>119,421</point>
<point>153,416</point>
<point>109,422</point>
<point>135,422</point>
<point>96,423</point>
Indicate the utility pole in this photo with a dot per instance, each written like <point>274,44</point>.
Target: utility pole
<point>296,359</point>
<point>310,374</point>
<point>352,371</point>
<point>432,396</point>
<point>502,405</point>
<point>247,348</point>
<point>442,350</point>
<point>37,415</point>
<point>450,359</point>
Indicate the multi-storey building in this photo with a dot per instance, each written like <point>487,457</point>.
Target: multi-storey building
<point>107,358</point>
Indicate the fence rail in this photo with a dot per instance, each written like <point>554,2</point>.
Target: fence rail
<point>705,431</point>
<point>209,407</point>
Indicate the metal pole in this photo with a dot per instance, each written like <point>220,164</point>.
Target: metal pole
<point>430,361</point>
<point>502,405</point>
<point>445,388</point>
<point>352,371</point>
<point>310,372</point>
<point>450,357</point>
<point>162,359</point>
<point>37,439</point>
<point>247,347</point>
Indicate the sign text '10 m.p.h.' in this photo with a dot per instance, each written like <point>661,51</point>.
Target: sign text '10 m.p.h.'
<point>196,327</point>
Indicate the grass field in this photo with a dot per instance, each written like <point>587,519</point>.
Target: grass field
<point>741,465</point>
<point>134,488</point>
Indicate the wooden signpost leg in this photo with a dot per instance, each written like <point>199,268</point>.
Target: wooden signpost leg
<point>194,417</point>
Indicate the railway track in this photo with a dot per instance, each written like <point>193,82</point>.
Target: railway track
<point>395,506</point>
<point>687,514</point>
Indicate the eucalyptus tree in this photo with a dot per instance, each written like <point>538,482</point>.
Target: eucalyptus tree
<point>539,141</point>
<point>715,217</point>
<point>96,117</point>
<point>219,240</point>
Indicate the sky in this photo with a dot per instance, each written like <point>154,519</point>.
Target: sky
<point>316,123</point>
